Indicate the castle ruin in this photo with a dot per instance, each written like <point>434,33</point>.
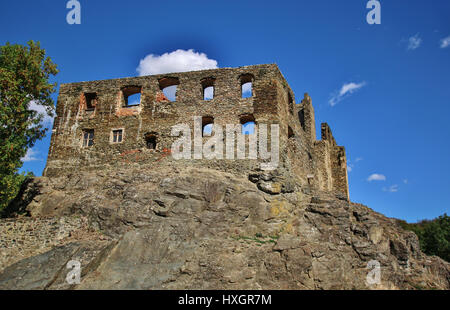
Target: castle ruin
<point>99,126</point>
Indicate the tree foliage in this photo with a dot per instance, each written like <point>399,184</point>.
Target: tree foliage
<point>24,79</point>
<point>434,235</point>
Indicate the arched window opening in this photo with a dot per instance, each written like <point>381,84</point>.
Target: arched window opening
<point>169,86</point>
<point>207,125</point>
<point>246,90</point>
<point>131,96</point>
<point>246,85</point>
<point>208,93</point>
<point>208,88</point>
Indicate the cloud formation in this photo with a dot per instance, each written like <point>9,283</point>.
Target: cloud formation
<point>346,90</point>
<point>391,189</point>
<point>176,61</point>
<point>30,156</point>
<point>414,42</point>
<point>445,42</point>
<point>40,109</point>
<point>376,177</point>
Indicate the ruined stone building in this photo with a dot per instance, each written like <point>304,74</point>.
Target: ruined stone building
<point>100,126</point>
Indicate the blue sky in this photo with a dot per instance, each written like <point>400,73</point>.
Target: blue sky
<point>383,89</point>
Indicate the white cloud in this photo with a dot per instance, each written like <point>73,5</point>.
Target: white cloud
<point>414,42</point>
<point>358,159</point>
<point>349,168</point>
<point>376,177</point>
<point>176,61</point>
<point>30,156</point>
<point>445,42</point>
<point>346,90</point>
<point>47,120</point>
<point>350,88</point>
<point>391,189</point>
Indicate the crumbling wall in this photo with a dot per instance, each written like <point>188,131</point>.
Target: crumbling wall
<point>339,166</point>
<point>156,114</point>
<point>332,163</point>
<point>323,175</point>
<point>306,117</point>
<point>272,102</point>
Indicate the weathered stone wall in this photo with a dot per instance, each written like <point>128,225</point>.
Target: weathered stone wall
<point>322,155</point>
<point>307,119</point>
<point>337,162</point>
<point>100,106</point>
<point>23,237</point>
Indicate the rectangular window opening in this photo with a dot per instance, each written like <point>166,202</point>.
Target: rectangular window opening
<point>90,101</point>
<point>88,137</point>
<point>208,88</point>
<point>117,136</point>
<point>132,96</point>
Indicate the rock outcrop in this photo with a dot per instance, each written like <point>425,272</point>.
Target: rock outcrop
<point>204,229</point>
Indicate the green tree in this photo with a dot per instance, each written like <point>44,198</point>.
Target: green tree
<point>434,235</point>
<point>24,79</point>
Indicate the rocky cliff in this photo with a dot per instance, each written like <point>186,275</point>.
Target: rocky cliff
<point>198,228</point>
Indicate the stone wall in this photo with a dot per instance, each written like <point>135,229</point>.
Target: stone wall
<point>24,237</point>
<point>101,107</point>
<point>338,162</point>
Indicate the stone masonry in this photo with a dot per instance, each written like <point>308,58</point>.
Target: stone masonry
<point>26,236</point>
<point>97,127</point>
